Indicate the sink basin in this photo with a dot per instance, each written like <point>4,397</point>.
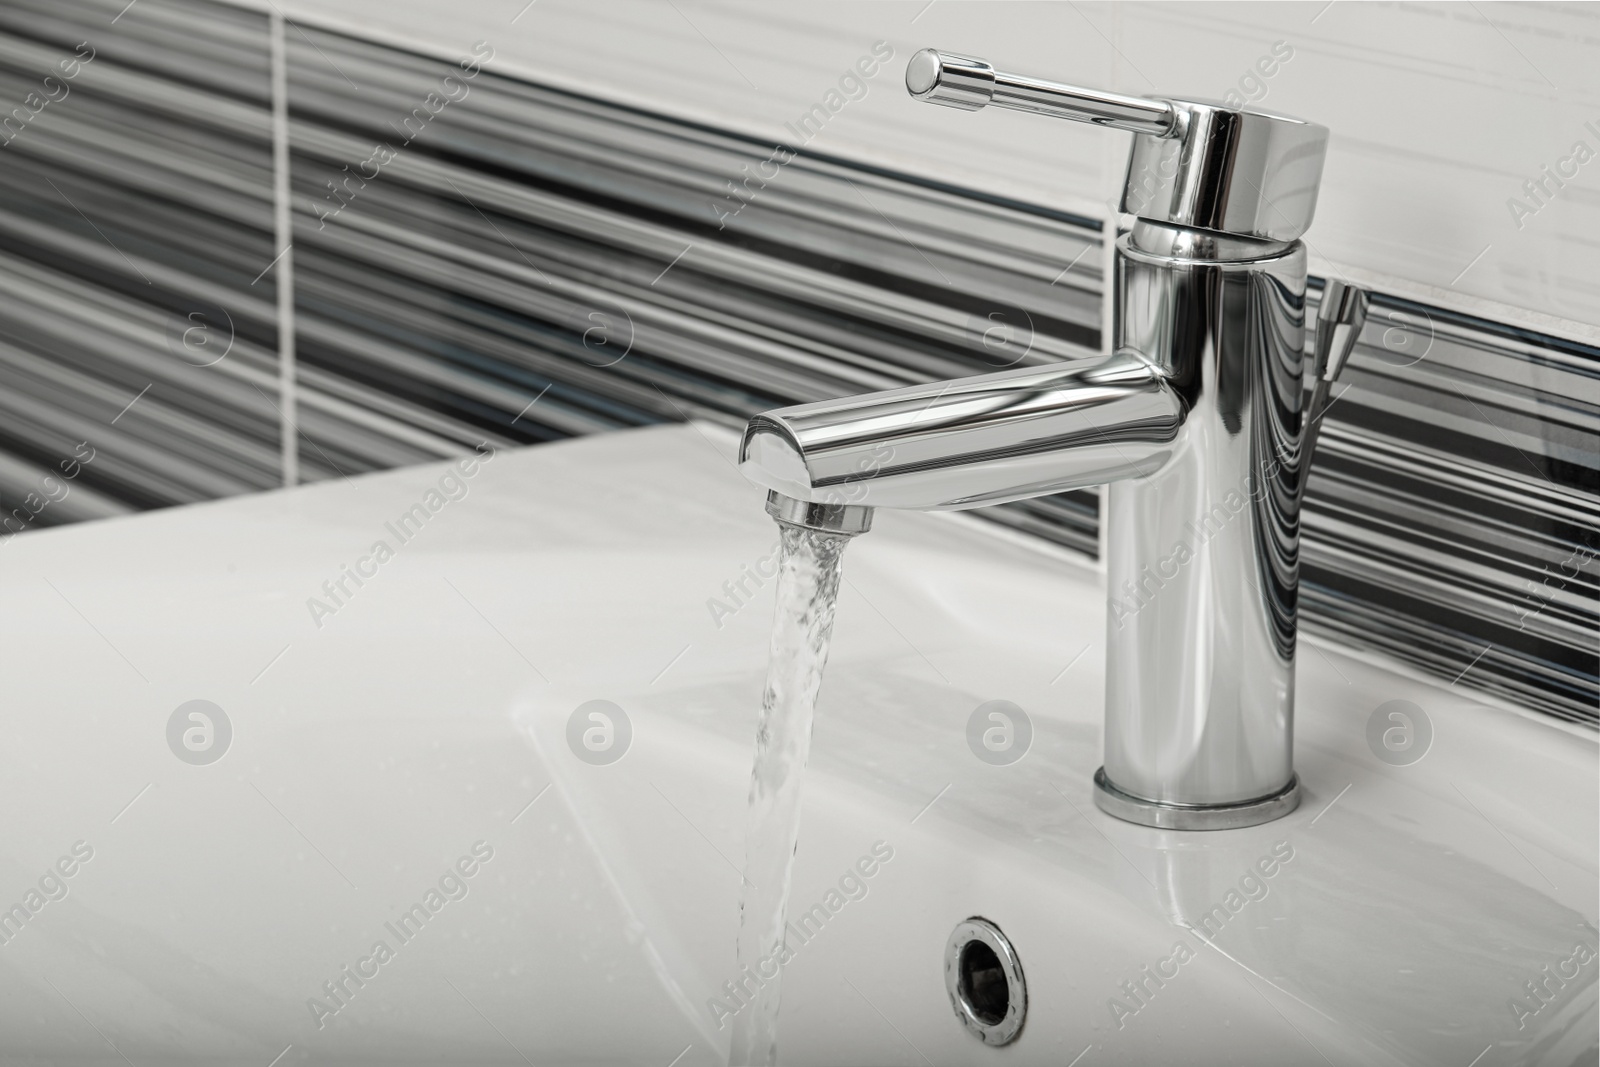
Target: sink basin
<point>399,762</point>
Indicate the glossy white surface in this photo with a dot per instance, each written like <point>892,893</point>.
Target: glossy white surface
<point>423,716</point>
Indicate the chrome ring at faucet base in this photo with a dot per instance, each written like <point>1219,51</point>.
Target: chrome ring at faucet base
<point>1129,808</point>
<point>842,520</point>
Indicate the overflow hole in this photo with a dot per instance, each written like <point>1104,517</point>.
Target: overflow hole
<point>983,983</point>
<point>983,977</point>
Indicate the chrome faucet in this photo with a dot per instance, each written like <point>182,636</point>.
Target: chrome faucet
<point>1195,422</point>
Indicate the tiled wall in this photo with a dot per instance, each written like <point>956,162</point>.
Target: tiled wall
<point>526,263</point>
<point>1453,513</point>
<point>532,247</point>
<point>142,193</point>
<point>1439,111</point>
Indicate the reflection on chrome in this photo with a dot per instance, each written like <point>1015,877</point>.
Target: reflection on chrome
<point>1194,422</point>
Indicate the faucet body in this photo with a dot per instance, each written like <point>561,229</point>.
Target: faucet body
<point>1202,555</point>
<point>1194,421</point>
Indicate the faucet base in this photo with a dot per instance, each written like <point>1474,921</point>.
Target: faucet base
<point>1129,808</point>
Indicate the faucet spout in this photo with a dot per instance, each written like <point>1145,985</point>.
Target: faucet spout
<point>948,446</point>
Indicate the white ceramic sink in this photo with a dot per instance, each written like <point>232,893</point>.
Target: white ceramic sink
<point>371,753</point>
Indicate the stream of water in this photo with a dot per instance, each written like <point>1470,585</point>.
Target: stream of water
<point>808,585</point>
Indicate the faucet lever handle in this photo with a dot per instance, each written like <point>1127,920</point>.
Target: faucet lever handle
<point>971,84</point>
<point>1340,317</point>
<point>1205,165</point>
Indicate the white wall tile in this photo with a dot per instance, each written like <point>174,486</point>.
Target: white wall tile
<point>1439,111</point>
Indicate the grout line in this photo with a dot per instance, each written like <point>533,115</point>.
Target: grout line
<point>283,226</point>
<point>298,431</point>
<point>307,38</point>
<point>275,259</point>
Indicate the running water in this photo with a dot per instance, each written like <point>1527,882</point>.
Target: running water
<point>808,584</point>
